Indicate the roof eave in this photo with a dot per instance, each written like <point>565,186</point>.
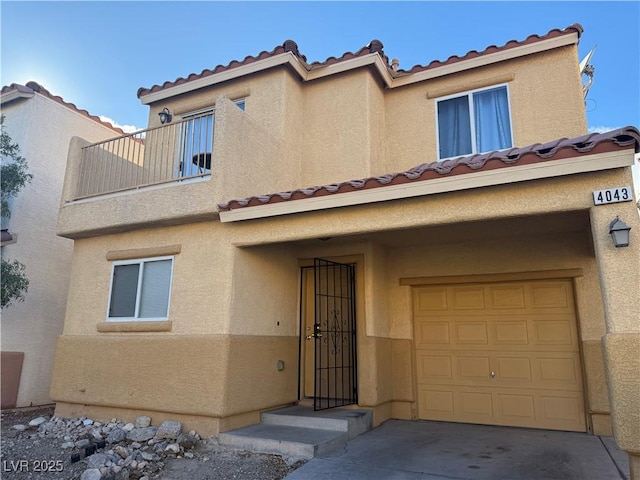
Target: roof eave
<point>286,58</point>
<point>374,59</point>
<point>488,59</point>
<point>617,158</point>
<point>14,95</point>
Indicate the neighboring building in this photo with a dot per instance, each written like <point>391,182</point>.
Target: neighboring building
<point>476,287</point>
<point>42,124</point>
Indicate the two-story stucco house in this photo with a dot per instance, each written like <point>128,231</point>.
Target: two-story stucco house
<point>422,243</point>
<point>42,124</point>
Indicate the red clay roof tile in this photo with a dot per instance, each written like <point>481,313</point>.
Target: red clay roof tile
<point>287,46</point>
<point>374,46</point>
<point>34,87</point>
<point>575,28</point>
<point>562,148</point>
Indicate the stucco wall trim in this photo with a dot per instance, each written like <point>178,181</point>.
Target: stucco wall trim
<point>119,327</point>
<point>143,252</point>
<point>131,191</point>
<point>493,277</point>
<point>463,87</point>
<point>451,183</point>
<point>14,95</point>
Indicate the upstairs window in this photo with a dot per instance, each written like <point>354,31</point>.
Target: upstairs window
<point>475,122</point>
<point>196,144</point>
<point>140,289</point>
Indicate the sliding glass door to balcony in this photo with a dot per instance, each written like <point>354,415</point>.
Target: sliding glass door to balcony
<point>196,145</point>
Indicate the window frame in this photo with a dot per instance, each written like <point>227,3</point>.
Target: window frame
<point>469,94</point>
<point>184,141</point>
<point>212,109</point>
<point>141,262</point>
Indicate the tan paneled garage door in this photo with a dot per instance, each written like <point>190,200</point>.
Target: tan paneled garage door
<point>500,354</point>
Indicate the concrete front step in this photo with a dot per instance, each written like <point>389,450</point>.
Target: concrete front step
<point>300,433</point>
<point>291,442</point>
<point>352,421</point>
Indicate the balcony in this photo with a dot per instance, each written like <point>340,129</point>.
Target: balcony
<point>177,152</point>
<point>169,175</point>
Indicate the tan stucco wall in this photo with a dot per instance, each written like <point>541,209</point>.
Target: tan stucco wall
<point>619,274</point>
<point>42,128</point>
<point>511,254</point>
<point>204,377</point>
<point>544,95</point>
<point>596,386</point>
<point>345,126</point>
<point>622,363</point>
<point>200,290</point>
<point>268,275</point>
<point>221,291</point>
<point>619,268</point>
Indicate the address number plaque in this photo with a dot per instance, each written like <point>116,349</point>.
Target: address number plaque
<point>612,195</point>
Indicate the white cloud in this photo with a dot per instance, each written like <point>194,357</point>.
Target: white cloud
<point>124,128</point>
<point>601,129</point>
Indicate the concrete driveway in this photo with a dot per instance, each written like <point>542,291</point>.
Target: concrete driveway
<point>424,450</point>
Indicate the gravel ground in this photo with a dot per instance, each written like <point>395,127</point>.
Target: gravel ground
<point>33,455</point>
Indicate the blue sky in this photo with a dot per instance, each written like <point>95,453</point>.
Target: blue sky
<point>97,54</point>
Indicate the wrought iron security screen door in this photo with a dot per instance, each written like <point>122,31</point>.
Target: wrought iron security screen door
<point>334,333</point>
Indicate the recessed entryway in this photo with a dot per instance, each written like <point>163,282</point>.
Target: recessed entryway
<point>328,370</point>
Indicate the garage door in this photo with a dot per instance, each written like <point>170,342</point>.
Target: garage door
<point>499,354</point>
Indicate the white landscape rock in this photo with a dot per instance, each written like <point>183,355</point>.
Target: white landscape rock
<point>169,430</point>
<point>36,422</point>
<point>91,474</point>
<point>129,452</point>
<point>172,448</point>
<point>143,421</point>
<point>116,435</point>
<point>142,434</point>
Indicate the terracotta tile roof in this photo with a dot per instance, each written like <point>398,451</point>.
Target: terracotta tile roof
<point>575,28</point>
<point>563,148</point>
<point>34,87</point>
<point>373,47</point>
<point>287,46</point>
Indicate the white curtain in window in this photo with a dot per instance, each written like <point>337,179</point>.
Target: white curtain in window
<point>156,282</point>
<point>493,127</point>
<point>454,127</point>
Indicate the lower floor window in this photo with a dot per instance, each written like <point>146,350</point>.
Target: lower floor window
<point>140,289</point>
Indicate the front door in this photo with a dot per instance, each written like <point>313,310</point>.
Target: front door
<point>329,334</point>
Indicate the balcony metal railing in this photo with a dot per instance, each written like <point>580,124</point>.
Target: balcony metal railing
<point>172,153</point>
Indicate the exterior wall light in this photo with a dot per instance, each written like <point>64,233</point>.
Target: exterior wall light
<point>165,116</point>
<point>619,232</point>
